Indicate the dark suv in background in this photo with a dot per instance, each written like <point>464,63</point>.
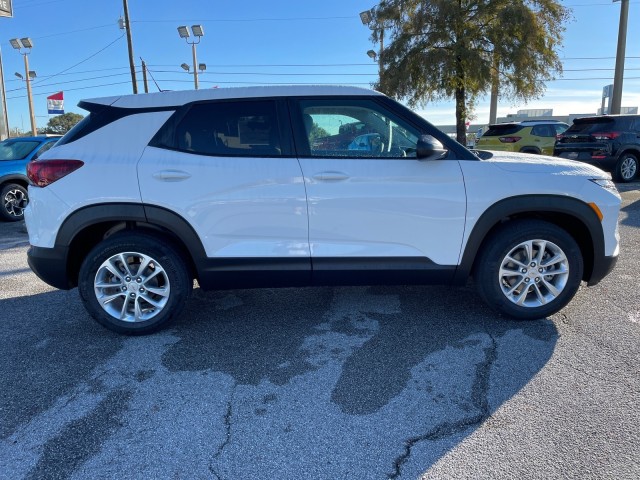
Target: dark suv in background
<point>611,142</point>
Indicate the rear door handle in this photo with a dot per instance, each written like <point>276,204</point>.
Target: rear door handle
<point>330,176</point>
<point>171,175</point>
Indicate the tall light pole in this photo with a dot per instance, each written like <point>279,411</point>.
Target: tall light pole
<point>24,46</point>
<point>367,17</point>
<point>616,98</point>
<point>198,33</point>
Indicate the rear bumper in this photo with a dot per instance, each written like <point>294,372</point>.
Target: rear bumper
<point>600,155</point>
<point>606,163</point>
<point>50,265</point>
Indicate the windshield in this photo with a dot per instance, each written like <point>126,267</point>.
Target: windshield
<point>16,149</point>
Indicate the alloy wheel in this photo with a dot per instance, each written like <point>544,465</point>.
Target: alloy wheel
<point>15,201</point>
<point>132,287</point>
<point>534,273</point>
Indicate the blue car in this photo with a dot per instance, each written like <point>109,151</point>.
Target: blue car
<point>15,153</point>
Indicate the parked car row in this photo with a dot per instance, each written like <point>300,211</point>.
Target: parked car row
<point>610,142</point>
<point>15,154</point>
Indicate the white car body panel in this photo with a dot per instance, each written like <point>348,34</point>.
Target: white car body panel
<point>514,174</point>
<point>110,159</point>
<point>400,207</point>
<point>239,206</point>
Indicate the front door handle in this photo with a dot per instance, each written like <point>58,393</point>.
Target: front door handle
<point>171,175</point>
<point>330,176</point>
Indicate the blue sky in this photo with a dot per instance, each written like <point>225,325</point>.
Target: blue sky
<point>79,49</point>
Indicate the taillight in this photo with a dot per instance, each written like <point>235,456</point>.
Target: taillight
<point>606,135</point>
<point>45,172</point>
<point>509,139</point>
<point>559,137</point>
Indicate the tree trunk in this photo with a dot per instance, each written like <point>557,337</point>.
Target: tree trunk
<point>461,128</point>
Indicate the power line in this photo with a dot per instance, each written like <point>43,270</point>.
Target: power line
<point>88,58</point>
<point>244,20</point>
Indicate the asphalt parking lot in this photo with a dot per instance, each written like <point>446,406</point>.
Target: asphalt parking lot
<point>324,383</point>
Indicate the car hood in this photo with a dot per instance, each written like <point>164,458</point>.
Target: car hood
<point>541,164</point>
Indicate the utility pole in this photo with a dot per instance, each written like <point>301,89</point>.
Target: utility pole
<point>616,98</point>
<point>127,23</point>
<point>144,76</point>
<point>4,117</point>
<point>27,77</point>
<point>495,87</point>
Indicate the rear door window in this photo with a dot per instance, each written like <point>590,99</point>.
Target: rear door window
<point>242,128</point>
<point>543,131</point>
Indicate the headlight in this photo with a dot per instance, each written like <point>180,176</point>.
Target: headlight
<point>605,183</point>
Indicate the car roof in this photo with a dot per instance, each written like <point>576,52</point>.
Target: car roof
<point>177,98</point>
<point>526,123</point>
<point>606,117</point>
<point>38,138</point>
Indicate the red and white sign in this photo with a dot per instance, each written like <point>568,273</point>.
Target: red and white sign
<point>55,103</point>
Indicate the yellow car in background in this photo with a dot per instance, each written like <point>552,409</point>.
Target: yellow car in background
<point>529,136</point>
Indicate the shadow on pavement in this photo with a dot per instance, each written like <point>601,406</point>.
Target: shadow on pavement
<point>332,382</point>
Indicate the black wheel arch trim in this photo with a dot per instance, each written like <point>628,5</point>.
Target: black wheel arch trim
<point>14,178</point>
<point>131,212</point>
<point>534,204</point>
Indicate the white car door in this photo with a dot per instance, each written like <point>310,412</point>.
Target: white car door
<point>225,169</point>
<point>370,197</point>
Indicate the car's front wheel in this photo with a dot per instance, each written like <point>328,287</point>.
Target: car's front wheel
<point>529,269</point>
<point>14,201</point>
<point>626,168</point>
<point>134,283</point>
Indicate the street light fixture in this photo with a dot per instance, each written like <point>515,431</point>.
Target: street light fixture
<point>202,67</point>
<point>24,46</point>
<point>198,33</point>
<point>367,19</point>
<point>185,67</point>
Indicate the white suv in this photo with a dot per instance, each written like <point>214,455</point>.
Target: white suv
<point>303,185</point>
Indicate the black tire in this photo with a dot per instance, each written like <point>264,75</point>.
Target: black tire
<point>626,168</point>
<point>531,150</point>
<point>14,200</point>
<point>150,303</point>
<point>501,292</point>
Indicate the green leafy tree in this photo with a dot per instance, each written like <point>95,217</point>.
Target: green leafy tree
<point>317,132</point>
<point>61,124</point>
<point>442,49</point>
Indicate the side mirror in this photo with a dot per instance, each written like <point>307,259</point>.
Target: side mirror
<point>428,148</point>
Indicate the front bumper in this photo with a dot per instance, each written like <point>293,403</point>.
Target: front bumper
<point>601,268</point>
<point>51,266</point>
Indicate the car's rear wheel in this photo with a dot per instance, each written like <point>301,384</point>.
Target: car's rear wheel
<point>529,269</point>
<point>531,150</point>
<point>14,200</point>
<point>133,283</point>
<point>626,168</point>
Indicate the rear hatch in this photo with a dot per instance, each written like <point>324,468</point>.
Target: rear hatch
<point>587,138</point>
<point>500,137</point>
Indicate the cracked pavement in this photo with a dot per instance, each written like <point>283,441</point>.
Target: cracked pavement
<point>324,383</point>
